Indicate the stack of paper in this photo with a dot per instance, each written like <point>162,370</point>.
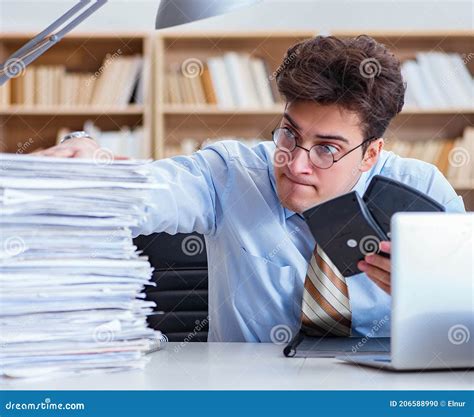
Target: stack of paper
<point>71,281</point>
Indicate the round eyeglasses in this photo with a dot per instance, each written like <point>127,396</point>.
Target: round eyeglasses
<point>321,156</point>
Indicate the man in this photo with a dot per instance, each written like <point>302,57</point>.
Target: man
<point>264,269</point>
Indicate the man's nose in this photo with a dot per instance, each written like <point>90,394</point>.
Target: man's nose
<point>300,162</point>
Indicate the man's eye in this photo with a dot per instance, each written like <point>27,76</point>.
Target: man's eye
<point>331,149</point>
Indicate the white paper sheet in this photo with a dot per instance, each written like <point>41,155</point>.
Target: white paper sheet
<point>71,280</point>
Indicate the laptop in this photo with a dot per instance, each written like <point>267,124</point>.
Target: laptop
<point>432,323</point>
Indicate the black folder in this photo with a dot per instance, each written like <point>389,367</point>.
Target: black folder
<point>349,226</point>
<point>304,346</point>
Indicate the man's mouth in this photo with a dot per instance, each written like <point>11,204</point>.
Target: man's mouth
<point>295,181</point>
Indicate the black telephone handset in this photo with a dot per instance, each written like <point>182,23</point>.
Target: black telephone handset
<point>384,197</point>
<point>349,226</point>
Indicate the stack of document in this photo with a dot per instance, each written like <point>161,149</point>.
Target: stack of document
<point>71,280</point>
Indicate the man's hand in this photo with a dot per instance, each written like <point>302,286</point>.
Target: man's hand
<point>72,148</point>
<point>377,267</point>
<point>80,148</point>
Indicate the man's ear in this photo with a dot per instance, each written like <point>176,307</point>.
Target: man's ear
<point>371,154</point>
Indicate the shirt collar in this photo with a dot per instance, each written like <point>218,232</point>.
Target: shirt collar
<point>289,213</point>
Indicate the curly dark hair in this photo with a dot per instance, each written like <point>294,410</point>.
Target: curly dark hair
<point>359,74</point>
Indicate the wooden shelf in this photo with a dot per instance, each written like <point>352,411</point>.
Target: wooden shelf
<point>213,110</point>
<point>70,111</point>
<point>447,111</point>
<point>106,35</point>
<point>32,127</point>
<point>417,34</point>
<point>185,111</point>
<point>170,124</point>
<point>174,123</point>
<point>467,186</point>
<point>175,35</point>
<point>400,34</point>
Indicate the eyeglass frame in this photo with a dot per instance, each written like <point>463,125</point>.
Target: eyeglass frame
<point>309,150</point>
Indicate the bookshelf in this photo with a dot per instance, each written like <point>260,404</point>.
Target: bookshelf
<point>169,125</point>
<point>34,124</point>
<point>177,123</point>
<point>198,122</point>
<point>417,132</point>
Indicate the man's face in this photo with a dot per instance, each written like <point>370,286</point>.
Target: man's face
<point>301,185</point>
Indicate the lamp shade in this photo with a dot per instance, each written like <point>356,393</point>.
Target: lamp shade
<point>178,12</point>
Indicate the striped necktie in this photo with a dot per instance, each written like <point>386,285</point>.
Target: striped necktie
<point>326,309</point>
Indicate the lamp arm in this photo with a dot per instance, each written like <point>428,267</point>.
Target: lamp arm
<point>20,59</point>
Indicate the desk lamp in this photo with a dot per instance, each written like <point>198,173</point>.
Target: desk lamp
<point>170,13</point>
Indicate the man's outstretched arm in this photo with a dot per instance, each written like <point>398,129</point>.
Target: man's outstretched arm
<point>196,184</point>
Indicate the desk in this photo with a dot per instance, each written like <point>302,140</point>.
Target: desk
<point>249,366</point>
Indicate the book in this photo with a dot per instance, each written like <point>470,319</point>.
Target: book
<point>209,91</point>
<point>453,157</point>
<point>221,83</point>
<point>438,80</point>
<point>5,95</point>
<point>127,141</point>
<point>233,80</point>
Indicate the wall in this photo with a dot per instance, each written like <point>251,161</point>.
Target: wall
<point>23,15</point>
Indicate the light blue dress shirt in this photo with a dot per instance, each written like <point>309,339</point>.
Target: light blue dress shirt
<point>258,251</point>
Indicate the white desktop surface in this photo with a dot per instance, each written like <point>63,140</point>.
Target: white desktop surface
<point>203,366</point>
